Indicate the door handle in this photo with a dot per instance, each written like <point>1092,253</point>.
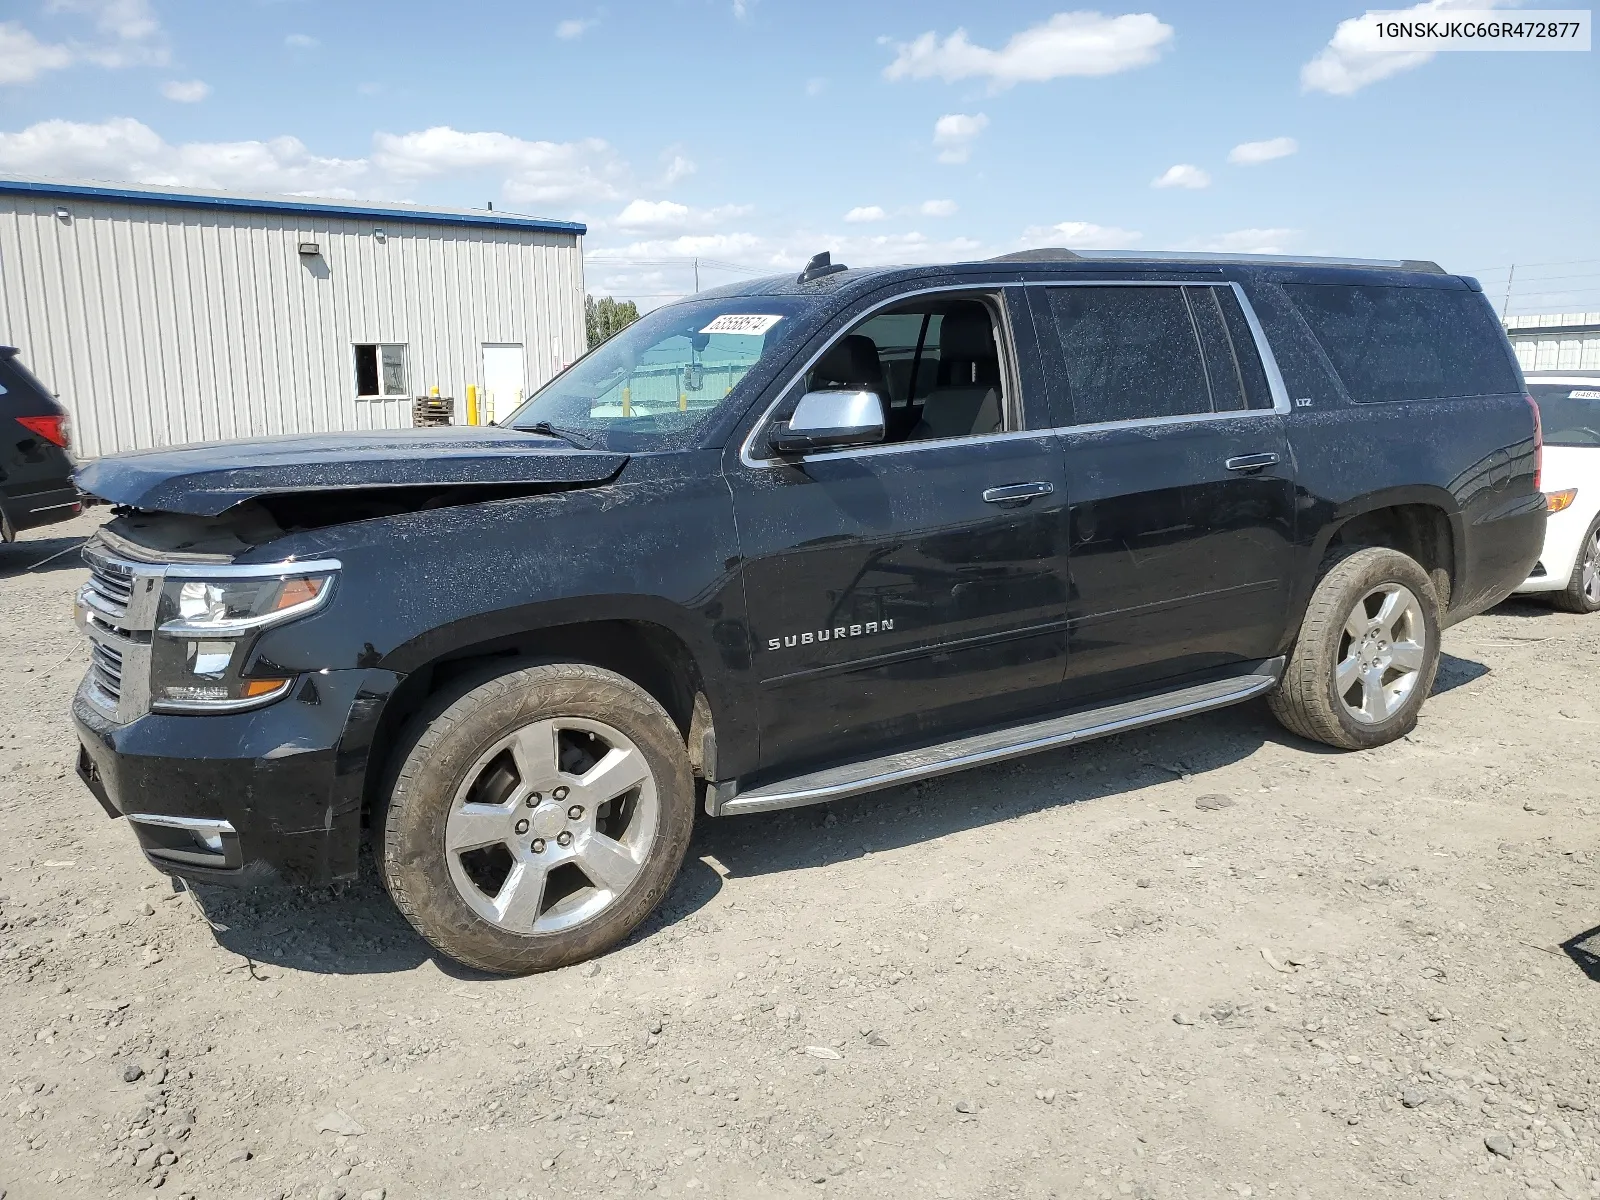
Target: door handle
<point>1017,492</point>
<point>1252,462</point>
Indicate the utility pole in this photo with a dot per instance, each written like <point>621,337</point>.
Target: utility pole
<point>697,277</point>
<point>1506,307</point>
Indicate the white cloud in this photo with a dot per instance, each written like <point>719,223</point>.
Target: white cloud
<point>668,215</point>
<point>954,134</point>
<point>23,57</point>
<point>537,172</point>
<point>127,150</point>
<point>816,85</point>
<point>573,28</point>
<point>678,167</point>
<point>1081,235</point>
<point>301,41</point>
<point>938,208</point>
<point>186,92</point>
<point>1352,58</point>
<point>1248,241</point>
<point>126,34</point>
<point>741,8</point>
<point>865,212</point>
<point>1249,154</point>
<point>1075,43</point>
<point>1182,175</point>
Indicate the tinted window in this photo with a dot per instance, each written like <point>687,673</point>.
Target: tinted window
<point>1258,393</point>
<point>1222,367</point>
<point>1568,413</point>
<point>1401,343</point>
<point>1129,352</point>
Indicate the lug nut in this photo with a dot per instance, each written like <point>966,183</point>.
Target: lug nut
<point>564,839</point>
<point>522,827</point>
<point>533,800</point>
<point>575,813</point>
<point>537,846</point>
<point>560,793</point>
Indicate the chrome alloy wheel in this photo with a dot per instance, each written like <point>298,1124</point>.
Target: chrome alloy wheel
<point>1591,569</point>
<point>1381,652</point>
<point>552,824</point>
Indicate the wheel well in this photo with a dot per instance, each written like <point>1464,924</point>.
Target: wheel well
<point>650,655</point>
<point>1419,530</point>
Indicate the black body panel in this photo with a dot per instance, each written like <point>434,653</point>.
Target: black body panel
<point>35,473</point>
<point>1148,564</point>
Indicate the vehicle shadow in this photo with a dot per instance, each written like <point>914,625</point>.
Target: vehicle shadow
<point>38,556</point>
<point>355,929</point>
<point>1584,950</point>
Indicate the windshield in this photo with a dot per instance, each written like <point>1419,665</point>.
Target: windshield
<point>1569,413</point>
<point>662,376</point>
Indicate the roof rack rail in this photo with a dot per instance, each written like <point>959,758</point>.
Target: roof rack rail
<point>1061,254</point>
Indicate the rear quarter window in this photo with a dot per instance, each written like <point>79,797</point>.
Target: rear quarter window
<point>1392,344</point>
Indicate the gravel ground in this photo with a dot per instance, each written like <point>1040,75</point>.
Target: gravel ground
<point>1200,960</point>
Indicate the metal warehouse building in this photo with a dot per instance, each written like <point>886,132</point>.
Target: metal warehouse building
<point>162,316</point>
<point>1556,341</point>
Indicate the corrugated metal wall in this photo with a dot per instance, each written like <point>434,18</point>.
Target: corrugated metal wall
<point>1542,345</point>
<point>159,325</point>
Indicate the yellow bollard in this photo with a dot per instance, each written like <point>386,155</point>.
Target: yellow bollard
<point>683,401</point>
<point>627,402</point>
<point>472,404</point>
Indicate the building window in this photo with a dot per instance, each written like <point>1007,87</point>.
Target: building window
<point>381,372</point>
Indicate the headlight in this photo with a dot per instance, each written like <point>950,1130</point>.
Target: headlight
<point>205,624</point>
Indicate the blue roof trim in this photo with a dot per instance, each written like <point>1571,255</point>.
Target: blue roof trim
<point>485,220</point>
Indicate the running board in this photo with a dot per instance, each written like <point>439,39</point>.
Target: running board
<point>836,783</point>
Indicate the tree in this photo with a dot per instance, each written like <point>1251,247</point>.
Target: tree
<point>606,317</point>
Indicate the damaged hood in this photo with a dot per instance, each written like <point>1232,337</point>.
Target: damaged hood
<point>212,477</point>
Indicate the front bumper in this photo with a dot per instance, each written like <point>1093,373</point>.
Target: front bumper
<point>240,797</point>
<point>1563,540</point>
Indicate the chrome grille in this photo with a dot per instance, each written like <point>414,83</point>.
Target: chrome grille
<point>111,584</point>
<point>105,666</point>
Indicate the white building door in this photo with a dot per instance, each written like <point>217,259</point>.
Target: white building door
<point>504,379</point>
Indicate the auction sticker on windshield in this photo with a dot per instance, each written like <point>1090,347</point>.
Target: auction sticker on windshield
<point>751,324</point>
<point>1583,394</point>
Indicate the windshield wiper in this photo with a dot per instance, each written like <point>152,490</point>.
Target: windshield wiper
<point>550,430</point>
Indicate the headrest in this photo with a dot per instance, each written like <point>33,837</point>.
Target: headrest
<point>851,362</point>
<point>967,333</point>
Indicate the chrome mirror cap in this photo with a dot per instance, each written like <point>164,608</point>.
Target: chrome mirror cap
<point>828,420</point>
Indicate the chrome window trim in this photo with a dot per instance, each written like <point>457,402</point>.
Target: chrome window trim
<point>1269,363</point>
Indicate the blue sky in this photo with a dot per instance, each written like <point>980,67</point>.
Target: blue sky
<point>751,133</point>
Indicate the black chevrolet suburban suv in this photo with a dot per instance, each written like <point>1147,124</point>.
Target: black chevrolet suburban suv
<point>35,458</point>
<point>791,541</point>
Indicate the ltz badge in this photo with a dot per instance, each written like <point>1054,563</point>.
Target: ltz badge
<point>837,633</point>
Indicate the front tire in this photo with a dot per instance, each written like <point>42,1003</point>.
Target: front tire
<point>536,817</point>
<point>1582,593</point>
<point>1367,653</point>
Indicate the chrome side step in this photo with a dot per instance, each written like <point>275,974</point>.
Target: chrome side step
<point>835,783</point>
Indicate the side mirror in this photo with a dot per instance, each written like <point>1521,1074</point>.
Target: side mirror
<point>830,420</point>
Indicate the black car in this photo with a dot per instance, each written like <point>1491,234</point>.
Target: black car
<point>797,540</point>
<point>35,461</point>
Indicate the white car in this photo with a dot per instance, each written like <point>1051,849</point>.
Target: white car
<point>1568,572</point>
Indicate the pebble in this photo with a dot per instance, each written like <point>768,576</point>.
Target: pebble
<point>373,1194</point>
<point>1572,1104</point>
<point>1183,1018</point>
<point>1498,1143</point>
<point>967,1107</point>
<point>1048,1095</point>
<point>329,1192</point>
<point>590,970</point>
<point>1213,802</point>
<point>1141,882</point>
<point>1413,1097</point>
<point>132,1073</point>
<point>655,1028</point>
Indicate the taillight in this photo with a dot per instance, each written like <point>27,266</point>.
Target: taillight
<point>1538,442</point>
<point>52,429</point>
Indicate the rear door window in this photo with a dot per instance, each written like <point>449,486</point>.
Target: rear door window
<point>1393,344</point>
<point>1135,353</point>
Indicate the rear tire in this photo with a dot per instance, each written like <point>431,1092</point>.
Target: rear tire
<point>1367,653</point>
<point>534,818</point>
<point>1582,593</point>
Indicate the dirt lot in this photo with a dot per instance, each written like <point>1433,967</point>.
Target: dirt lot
<point>1075,975</point>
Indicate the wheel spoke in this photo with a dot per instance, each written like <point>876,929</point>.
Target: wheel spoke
<point>1346,674</point>
<point>606,862</point>
<point>521,895</point>
<point>473,825</point>
<point>1394,607</point>
<point>1374,705</point>
<point>618,772</point>
<point>1406,656</point>
<point>1356,623</point>
<point>533,748</point>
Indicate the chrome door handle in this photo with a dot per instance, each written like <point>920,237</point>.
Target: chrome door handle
<point>1251,462</point>
<point>1015,492</point>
